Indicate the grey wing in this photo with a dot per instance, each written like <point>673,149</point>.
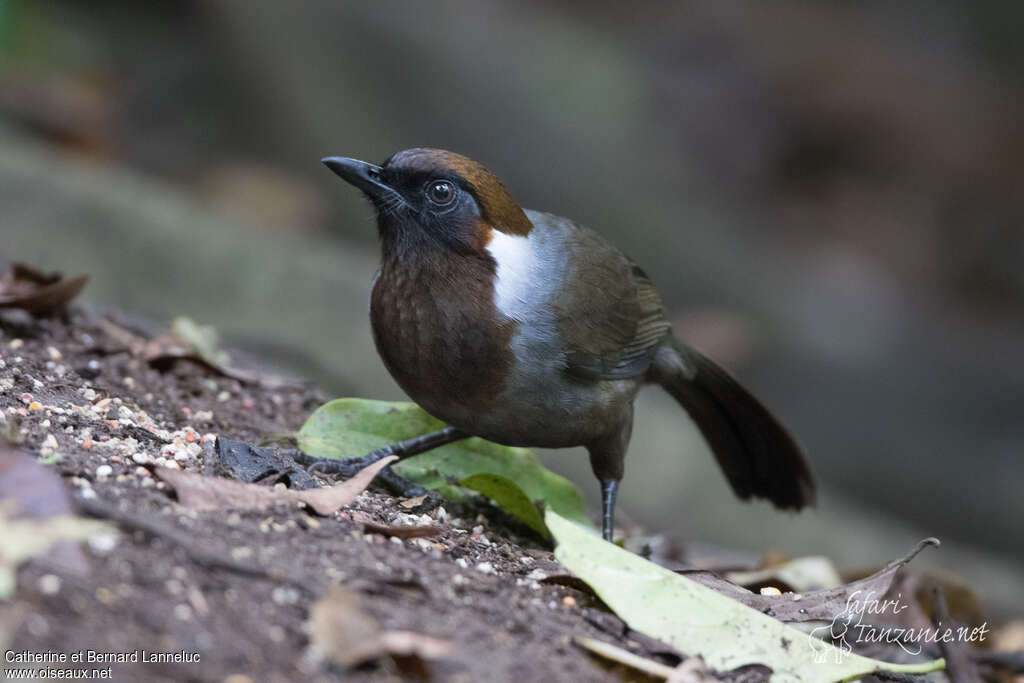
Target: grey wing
<point>613,321</point>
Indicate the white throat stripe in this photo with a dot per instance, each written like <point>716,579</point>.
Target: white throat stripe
<point>515,258</point>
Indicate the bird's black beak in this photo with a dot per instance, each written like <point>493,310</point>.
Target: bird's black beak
<point>366,177</point>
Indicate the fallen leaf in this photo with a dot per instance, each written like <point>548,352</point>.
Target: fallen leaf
<point>413,502</point>
<point>802,575</point>
<point>190,342</point>
<point>699,621</point>
<point>203,339</point>
<point>821,605</point>
<point>214,493</point>
<point>396,530</point>
<point>29,289</point>
<point>351,427</point>
<point>340,631</point>
<point>344,634</point>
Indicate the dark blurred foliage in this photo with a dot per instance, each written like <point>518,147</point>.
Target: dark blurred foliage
<point>829,193</point>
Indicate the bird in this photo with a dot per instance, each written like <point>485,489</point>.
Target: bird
<point>528,329</point>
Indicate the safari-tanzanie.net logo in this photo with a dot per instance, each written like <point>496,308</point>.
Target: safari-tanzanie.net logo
<point>861,622</point>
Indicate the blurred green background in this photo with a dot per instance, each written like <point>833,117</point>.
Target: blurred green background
<point>829,195</point>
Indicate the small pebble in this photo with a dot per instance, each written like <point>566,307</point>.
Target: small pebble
<point>49,584</point>
<point>241,553</point>
<point>15,344</point>
<point>485,567</point>
<point>102,543</point>
<point>284,595</point>
<point>770,590</point>
<point>104,471</point>
<point>53,353</point>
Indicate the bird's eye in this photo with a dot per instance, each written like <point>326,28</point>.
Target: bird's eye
<point>441,192</point>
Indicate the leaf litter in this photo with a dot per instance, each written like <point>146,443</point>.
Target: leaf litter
<point>340,631</point>
<point>31,290</point>
<point>200,492</point>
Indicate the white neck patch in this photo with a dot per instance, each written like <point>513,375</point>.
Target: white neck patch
<point>513,282</point>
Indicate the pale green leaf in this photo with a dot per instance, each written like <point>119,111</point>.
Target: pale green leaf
<point>700,621</point>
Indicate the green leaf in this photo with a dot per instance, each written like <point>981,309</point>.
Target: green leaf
<point>351,427</point>
<point>510,497</point>
<point>700,621</point>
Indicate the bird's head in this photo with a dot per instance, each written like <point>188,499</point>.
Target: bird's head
<point>432,196</point>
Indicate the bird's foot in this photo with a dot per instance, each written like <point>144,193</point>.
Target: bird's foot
<point>391,480</point>
<point>346,467</point>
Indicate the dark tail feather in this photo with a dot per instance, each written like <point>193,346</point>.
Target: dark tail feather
<point>758,455</point>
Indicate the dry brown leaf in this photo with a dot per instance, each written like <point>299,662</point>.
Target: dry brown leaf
<point>27,288</point>
<point>821,605</point>
<point>213,493</point>
<point>397,531</point>
<point>329,499</point>
<point>413,502</point>
<point>340,631</point>
<point>345,635</point>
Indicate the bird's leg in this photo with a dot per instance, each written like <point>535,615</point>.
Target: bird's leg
<point>403,449</point>
<point>609,490</point>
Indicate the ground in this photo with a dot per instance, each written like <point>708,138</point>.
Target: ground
<point>237,587</point>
